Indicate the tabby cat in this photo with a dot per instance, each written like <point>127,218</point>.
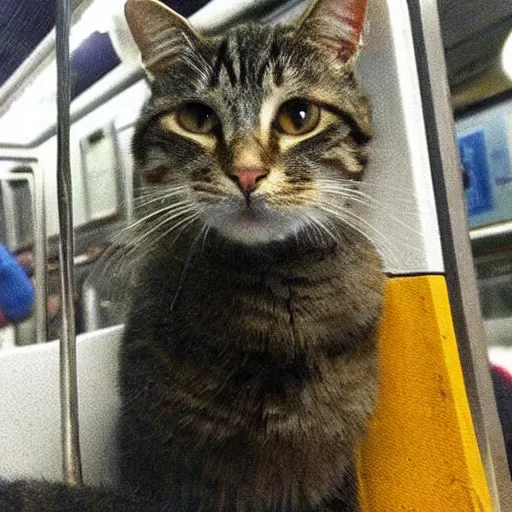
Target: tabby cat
<point>248,368</point>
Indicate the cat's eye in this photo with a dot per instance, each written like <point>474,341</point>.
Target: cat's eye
<point>297,117</point>
<point>197,118</point>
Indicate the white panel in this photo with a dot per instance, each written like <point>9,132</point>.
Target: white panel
<point>404,221</point>
<point>122,110</point>
<point>7,337</point>
<point>30,411</point>
<point>47,154</point>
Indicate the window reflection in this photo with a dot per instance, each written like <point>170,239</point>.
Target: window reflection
<point>485,144</point>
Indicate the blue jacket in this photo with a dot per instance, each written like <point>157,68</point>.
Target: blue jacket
<point>16,290</point>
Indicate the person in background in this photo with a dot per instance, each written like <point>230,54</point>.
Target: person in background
<point>502,381</point>
<point>16,290</point>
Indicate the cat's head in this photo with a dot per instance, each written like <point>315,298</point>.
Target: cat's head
<point>257,133</point>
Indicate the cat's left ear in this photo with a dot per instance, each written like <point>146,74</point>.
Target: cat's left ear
<point>161,34</point>
<point>336,25</point>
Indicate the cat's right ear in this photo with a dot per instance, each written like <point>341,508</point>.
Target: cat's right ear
<point>161,34</point>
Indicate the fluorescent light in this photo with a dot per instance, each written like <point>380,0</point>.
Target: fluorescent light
<point>506,57</point>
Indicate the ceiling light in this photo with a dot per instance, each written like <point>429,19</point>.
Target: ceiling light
<point>506,57</point>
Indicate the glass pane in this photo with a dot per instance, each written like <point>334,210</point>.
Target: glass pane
<point>483,100</point>
<point>17,240</point>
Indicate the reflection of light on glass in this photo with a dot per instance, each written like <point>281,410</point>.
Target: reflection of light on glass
<point>506,56</point>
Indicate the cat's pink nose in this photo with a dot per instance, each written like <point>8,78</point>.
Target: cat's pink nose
<point>247,178</point>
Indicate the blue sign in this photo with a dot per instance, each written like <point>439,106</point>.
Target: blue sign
<point>476,172</point>
<point>497,137</point>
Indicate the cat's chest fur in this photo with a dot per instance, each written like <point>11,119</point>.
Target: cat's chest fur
<point>253,365</point>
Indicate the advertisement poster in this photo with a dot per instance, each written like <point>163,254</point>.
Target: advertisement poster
<point>485,152</point>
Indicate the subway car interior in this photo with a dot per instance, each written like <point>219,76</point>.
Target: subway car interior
<point>439,78</point>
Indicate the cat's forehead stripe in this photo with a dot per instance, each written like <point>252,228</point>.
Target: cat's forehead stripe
<point>241,61</point>
<point>223,61</point>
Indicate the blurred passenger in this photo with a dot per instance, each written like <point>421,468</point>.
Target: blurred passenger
<point>502,381</point>
<point>16,290</point>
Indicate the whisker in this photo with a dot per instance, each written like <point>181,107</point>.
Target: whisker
<point>164,219</point>
<point>147,248</point>
<point>149,206</point>
<point>311,230</point>
<point>322,227</point>
<point>406,206</point>
<point>173,208</point>
<point>357,186</point>
<point>378,239</point>
<point>370,202</point>
<point>206,231</point>
<point>402,238</point>
<point>133,240</point>
<point>170,47</point>
<point>204,62</point>
<point>153,196</point>
<point>156,190</point>
<point>186,267</point>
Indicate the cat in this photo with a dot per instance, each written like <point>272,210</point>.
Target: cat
<point>249,359</point>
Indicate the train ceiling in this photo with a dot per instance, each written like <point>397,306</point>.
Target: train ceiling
<point>473,32</point>
<point>25,23</point>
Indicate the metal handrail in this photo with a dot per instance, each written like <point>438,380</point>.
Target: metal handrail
<point>40,254</point>
<point>72,466</point>
<point>35,179</point>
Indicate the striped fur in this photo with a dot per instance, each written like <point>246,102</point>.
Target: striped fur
<point>249,359</point>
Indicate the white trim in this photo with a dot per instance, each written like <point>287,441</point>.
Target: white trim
<point>399,169</point>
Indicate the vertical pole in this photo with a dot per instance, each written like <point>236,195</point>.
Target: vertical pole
<point>39,223</point>
<point>72,467</point>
